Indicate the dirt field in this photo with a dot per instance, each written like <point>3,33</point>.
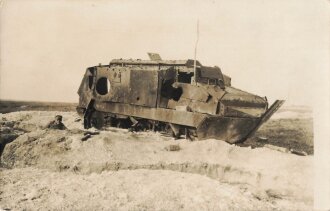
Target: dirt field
<point>118,170</point>
<point>291,128</point>
<point>7,106</point>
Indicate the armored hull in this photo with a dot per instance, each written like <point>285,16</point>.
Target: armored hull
<point>179,96</point>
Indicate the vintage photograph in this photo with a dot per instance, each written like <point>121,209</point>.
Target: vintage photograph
<point>164,105</point>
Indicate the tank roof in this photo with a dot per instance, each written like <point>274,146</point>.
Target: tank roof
<point>188,62</point>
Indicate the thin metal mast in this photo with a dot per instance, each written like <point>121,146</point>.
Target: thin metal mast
<point>196,52</point>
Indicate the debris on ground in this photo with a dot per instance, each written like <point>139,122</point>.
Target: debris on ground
<point>89,134</point>
<point>92,133</point>
<point>285,150</point>
<point>77,120</point>
<point>173,147</point>
<point>262,139</point>
<point>277,148</point>
<point>297,152</point>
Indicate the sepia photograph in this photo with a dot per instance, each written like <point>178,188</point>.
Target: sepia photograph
<point>165,105</point>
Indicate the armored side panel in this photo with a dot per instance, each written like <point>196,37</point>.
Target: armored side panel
<point>159,114</point>
<point>143,87</point>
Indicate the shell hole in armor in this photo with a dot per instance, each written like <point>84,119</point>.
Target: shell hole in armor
<point>185,77</point>
<point>170,92</point>
<point>103,86</point>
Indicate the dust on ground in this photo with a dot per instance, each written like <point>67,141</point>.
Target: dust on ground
<point>120,170</point>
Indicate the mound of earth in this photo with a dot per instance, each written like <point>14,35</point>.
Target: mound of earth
<point>117,169</point>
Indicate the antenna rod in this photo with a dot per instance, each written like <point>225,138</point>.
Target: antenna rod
<point>196,52</point>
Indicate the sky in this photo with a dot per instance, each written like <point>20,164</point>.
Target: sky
<point>273,48</point>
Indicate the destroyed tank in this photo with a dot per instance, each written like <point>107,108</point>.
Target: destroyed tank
<point>182,97</point>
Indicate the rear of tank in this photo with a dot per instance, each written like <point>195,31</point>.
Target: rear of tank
<point>85,91</point>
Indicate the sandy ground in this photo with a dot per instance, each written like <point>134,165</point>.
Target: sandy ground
<point>118,170</point>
